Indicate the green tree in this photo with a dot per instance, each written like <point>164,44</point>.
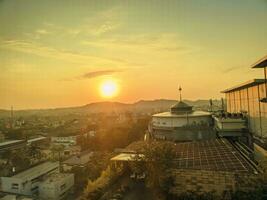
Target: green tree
<point>157,161</point>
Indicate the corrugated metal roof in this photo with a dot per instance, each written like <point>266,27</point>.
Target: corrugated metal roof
<point>245,85</point>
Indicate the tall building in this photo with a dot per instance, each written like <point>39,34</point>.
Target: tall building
<point>250,98</point>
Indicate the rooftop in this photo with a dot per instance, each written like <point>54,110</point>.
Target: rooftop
<point>81,159</point>
<point>36,139</point>
<point>56,177</point>
<point>127,157</point>
<point>245,85</point>
<point>260,63</point>
<point>181,107</point>
<point>37,171</point>
<point>214,155</point>
<point>9,142</point>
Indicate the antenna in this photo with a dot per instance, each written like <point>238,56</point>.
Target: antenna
<point>180,91</point>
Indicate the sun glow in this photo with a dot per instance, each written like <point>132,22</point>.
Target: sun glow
<point>109,89</point>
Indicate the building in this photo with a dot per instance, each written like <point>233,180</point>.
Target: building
<point>216,166</point>
<point>72,150</point>
<point>28,181</point>
<point>56,186</point>
<point>250,98</point>
<point>182,123</point>
<point>77,160</point>
<point>66,141</point>
<point>12,145</point>
<point>39,141</point>
<point>15,197</point>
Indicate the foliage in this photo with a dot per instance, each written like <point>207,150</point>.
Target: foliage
<point>157,161</point>
<point>98,163</point>
<point>95,189</point>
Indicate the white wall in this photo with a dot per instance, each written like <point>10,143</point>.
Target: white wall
<point>57,189</point>
<point>179,121</point>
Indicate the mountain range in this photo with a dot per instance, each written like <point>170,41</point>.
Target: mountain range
<point>142,106</point>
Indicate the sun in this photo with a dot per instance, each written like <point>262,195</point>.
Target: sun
<point>109,88</point>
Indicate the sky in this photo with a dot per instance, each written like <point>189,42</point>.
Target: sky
<point>57,53</point>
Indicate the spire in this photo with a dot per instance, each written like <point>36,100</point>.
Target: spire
<point>180,91</point>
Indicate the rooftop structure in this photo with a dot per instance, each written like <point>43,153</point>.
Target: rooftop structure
<point>213,155</point>
<point>250,83</point>
<point>37,171</point>
<point>11,144</point>
<point>56,186</point>
<point>262,63</point>
<point>127,157</point>
<point>27,182</point>
<point>77,160</point>
<point>181,123</point>
<point>250,99</point>
<point>41,138</point>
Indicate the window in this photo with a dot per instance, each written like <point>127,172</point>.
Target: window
<point>15,186</point>
<point>62,187</point>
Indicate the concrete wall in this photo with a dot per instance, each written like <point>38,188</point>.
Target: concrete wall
<point>180,121</point>
<point>247,100</point>
<point>217,182</point>
<point>185,134</point>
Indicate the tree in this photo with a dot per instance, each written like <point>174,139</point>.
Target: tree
<point>157,162</point>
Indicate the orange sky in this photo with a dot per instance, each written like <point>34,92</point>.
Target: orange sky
<point>57,53</point>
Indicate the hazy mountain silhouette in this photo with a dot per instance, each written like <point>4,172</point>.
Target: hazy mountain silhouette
<point>144,106</point>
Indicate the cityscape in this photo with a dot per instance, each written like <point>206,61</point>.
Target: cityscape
<point>129,100</point>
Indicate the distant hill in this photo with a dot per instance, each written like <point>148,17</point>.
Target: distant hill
<point>148,106</point>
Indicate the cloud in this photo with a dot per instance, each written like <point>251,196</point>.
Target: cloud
<point>230,69</point>
<point>60,54</point>
<point>101,22</point>
<point>92,74</point>
<point>95,74</point>
<point>42,32</point>
<point>148,43</point>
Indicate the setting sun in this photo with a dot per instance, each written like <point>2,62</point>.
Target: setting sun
<point>109,88</point>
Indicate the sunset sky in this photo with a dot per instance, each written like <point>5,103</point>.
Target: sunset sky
<point>56,53</point>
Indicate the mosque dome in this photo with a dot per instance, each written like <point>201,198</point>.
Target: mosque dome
<point>181,107</point>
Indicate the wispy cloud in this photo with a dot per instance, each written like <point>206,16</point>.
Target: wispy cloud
<point>231,69</point>
<point>42,31</point>
<point>101,22</point>
<point>51,52</point>
<point>149,43</point>
<point>93,74</point>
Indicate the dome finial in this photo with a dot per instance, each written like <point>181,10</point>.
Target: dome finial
<point>180,91</point>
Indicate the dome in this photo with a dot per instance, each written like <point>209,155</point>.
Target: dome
<point>181,107</point>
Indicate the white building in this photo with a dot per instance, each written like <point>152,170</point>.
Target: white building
<point>182,123</point>
<point>28,181</point>
<point>66,141</point>
<point>56,186</point>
